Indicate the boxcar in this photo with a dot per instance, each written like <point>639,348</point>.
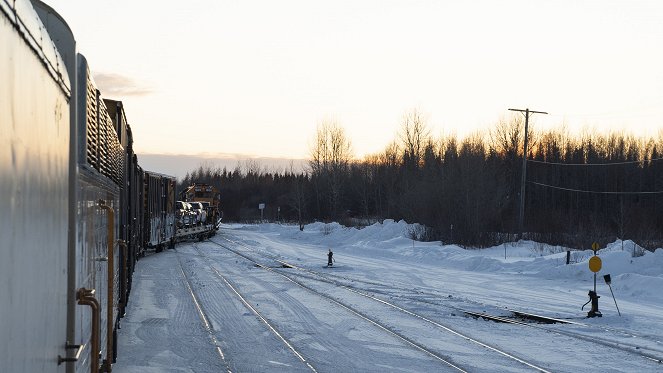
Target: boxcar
<point>159,215</point>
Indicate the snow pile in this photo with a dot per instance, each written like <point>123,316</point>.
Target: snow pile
<point>638,277</point>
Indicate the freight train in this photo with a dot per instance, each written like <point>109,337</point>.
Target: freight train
<point>77,210</point>
<point>206,194</point>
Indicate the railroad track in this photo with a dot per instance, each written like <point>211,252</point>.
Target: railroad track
<point>647,352</point>
<point>203,315</point>
<point>408,341</point>
<point>646,348</point>
<point>207,324</point>
<point>402,290</point>
<point>463,338</point>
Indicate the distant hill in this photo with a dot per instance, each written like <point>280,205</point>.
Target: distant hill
<point>179,165</point>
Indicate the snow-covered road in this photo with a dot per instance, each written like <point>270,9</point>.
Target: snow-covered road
<point>390,304</point>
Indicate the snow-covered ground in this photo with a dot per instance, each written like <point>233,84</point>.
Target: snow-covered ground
<point>388,304</point>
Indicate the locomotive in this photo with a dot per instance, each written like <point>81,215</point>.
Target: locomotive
<point>77,209</point>
<point>208,195</point>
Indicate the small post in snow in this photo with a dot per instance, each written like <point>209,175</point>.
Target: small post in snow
<point>451,238</point>
<point>261,207</point>
<point>607,281</point>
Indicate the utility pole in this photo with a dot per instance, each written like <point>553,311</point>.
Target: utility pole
<point>521,214</point>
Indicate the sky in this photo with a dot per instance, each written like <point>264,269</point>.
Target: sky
<point>256,77</point>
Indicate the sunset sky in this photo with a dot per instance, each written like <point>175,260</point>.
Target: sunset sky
<point>256,77</point>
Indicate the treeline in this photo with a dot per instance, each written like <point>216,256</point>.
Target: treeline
<point>580,189</point>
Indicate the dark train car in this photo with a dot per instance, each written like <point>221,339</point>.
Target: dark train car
<point>130,200</point>
<point>159,211</point>
<point>135,217</point>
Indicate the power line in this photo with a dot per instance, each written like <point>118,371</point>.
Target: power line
<point>526,113</point>
<point>591,191</point>
<point>595,164</point>
<point>629,111</point>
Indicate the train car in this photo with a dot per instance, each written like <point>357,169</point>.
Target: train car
<point>98,188</point>
<point>35,181</point>
<point>79,209</point>
<point>74,201</point>
<point>207,194</point>
<point>131,196</point>
<point>159,211</point>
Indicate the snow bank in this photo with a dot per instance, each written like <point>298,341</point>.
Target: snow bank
<point>633,276</point>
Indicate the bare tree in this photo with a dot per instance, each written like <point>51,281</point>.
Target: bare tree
<point>297,198</point>
<point>253,167</point>
<point>414,136</point>
<point>507,138</point>
<point>330,158</point>
<point>388,179</point>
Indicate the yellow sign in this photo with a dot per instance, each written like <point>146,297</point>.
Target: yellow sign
<point>595,264</point>
<point>595,246</point>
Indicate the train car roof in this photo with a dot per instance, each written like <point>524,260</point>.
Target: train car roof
<point>160,174</point>
<point>29,25</point>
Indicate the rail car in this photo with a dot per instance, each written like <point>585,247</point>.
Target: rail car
<point>77,209</point>
<point>159,211</point>
<point>36,191</point>
<point>209,195</point>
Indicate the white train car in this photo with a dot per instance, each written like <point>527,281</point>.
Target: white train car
<point>35,180</point>
<point>63,272</point>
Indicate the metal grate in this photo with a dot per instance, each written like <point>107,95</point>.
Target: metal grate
<point>91,123</point>
<point>104,151</point>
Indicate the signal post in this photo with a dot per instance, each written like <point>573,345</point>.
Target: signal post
<point>595,265</point>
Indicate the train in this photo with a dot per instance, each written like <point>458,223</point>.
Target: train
<point>77,209</point>
<point>208,195</point>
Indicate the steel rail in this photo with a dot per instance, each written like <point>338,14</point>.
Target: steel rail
<point>639,350</point>
<point>203,315</point>
<point>548,320</point>
<point>401,309</point>
<point>444,327</point>
<point>255,311</point>
<point>408,341</point>
<point>622,346</point>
